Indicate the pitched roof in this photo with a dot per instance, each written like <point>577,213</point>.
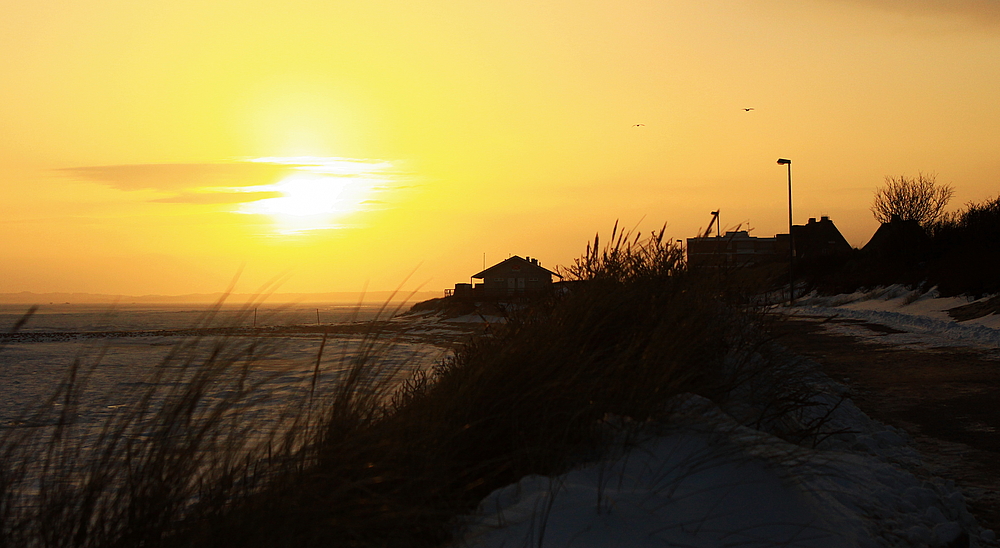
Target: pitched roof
<point>819,238</point>
<point>897,236</point>
<point>515,262</point>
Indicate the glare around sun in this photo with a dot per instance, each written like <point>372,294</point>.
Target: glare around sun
<point>320,195</point>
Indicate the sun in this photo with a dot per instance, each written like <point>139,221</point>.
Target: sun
<point>320,194</point>
<point>305,195</point>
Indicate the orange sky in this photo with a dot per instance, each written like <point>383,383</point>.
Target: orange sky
<point>160,147</point>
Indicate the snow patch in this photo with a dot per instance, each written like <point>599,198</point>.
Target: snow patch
<point>923,314</point>
<point>706,480</point>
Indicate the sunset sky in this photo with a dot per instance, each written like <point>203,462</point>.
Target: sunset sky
<point>160,147</point>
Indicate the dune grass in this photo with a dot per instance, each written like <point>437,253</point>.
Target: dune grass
<point>369,458</point>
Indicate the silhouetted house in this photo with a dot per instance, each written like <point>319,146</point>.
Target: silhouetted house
<point>898,239</point>
<point>819,239</point>
<point>514,277</point>
<point>736,248</point>
<point>461,291</point>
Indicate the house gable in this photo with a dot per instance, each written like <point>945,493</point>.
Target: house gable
<point>819,239</point>
<point>516,266</point>
<point>514,276</point>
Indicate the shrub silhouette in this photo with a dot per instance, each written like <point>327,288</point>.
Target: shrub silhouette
<point>918,199</point>
<point>967,246</point>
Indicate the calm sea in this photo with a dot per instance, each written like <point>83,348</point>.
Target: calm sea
<point>118,367</point>
<point>133,317</point>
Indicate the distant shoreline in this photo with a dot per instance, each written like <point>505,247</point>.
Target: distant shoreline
<point>372,297</point>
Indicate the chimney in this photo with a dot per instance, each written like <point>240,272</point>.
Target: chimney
<point>824,218</point>
<point>812,220</point>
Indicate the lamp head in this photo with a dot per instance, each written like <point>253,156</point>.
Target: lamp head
<point>784,161</point>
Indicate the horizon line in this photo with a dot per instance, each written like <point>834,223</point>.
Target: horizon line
<point>339,297</point>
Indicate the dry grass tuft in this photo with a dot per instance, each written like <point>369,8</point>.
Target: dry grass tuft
<point>364,460</point>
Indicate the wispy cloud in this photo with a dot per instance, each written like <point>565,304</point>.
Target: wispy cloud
<point>345,167</point>
<point>300,194</point>
<point>209,198</point>
<point>181,177</point>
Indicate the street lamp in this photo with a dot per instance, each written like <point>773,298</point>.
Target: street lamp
<point>791,239</point>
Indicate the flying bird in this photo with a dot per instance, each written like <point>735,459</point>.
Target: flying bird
<point>748,109</point>
<point>637,125</point>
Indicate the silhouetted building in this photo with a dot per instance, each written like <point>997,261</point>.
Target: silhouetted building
<point>898,239</point>
<point>514,277</point>
<point>735,248</point>
<point>738,248</point>
<point>819,239</point>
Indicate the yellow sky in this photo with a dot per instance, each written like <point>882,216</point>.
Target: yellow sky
<point>159,147</point>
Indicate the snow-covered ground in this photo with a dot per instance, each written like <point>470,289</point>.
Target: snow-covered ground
<point>922,316</point>
<point>707,480</point>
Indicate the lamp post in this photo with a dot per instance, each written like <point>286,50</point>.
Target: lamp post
<point>791,239</point>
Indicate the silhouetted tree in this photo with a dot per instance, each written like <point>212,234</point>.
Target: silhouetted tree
<point>918,199</point>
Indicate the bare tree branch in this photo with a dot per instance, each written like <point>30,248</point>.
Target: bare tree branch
<point>918,199</point>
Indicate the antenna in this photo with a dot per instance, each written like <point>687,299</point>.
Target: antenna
<point>718,225</point>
